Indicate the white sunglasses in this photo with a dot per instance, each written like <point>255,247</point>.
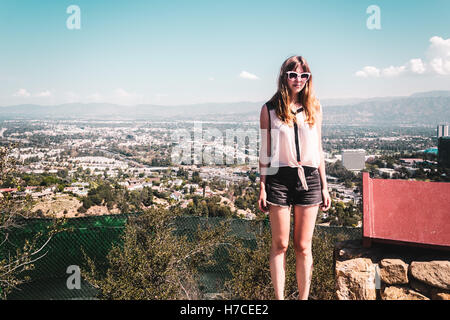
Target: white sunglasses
<point>292,75</point>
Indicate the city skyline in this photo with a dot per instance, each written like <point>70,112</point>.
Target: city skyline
<point>182,53</point>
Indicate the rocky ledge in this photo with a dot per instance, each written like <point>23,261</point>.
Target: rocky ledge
<point>387,272</point>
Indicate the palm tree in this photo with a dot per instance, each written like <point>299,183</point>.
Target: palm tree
<point>204,186</point>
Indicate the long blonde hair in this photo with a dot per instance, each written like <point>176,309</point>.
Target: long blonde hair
<point>282,100</point>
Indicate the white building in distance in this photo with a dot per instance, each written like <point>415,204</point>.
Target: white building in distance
<point>354,159</point>
<point>442,130</point>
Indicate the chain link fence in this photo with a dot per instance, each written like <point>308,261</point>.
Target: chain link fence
<point>96,236</point>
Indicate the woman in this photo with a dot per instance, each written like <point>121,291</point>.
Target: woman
<point>292,171</point>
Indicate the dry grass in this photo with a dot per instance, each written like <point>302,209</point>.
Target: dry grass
<point>56,206</point>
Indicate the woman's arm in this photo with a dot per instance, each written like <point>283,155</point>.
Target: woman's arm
<point>264,155</point>
<point>323,177</point>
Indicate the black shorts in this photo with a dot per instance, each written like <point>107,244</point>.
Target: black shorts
<point>285,189</point>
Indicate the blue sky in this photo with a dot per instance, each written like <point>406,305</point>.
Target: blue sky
<point>183,52</point>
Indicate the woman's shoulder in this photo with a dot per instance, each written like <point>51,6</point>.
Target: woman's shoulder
<point>264,111</point>
<point>269,105</point>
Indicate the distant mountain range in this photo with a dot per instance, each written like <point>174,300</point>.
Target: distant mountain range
<point>425,108</point>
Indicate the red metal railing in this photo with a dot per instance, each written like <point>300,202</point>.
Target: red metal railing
<point>406,212</point>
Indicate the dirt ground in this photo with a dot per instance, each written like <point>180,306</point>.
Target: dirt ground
<point>57,204</point>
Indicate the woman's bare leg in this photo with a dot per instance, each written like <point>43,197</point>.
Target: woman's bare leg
<point>304,222</point>
<point>280,218</point>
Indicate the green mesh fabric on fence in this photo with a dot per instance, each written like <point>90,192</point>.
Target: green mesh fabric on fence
<point>96,236</point>
<point>93,235</point>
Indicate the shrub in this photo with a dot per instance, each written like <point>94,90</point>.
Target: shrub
<point>82,209</point>
<point>154,262</point>
<point>250,271</point>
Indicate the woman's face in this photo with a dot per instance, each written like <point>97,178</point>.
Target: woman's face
<point>296,85</point>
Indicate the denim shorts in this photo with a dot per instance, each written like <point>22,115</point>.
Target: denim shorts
<point>285,189</point>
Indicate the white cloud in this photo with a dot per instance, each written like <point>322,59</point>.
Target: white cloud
<point>393,71</point>
<point>248,75</point>
<point>211,79</point>
<point>440,66</point>
<point>45,93</point>
<point>368,71</point>
<point>437,61</point>
<point>21,93</point>
<point>438,54</point>
<point>416,66</point>
<point>361,74</point>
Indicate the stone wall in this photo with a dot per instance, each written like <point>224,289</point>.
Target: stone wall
<point>388,272</point>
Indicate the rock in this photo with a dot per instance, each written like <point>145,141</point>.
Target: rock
<point>348,249</point>
<point>350,253</point>
<point>441,296</point>
<point>401,293</point>
<point>355,279</point>
<point>421,287</point>
<point>351,249</point>
<point>393,271</point>
<point>434,273</point>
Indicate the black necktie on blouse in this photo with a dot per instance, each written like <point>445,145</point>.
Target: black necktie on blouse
<point>297,147</point>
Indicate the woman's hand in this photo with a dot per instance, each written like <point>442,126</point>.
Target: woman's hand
<point>326,200</point>
<point>262,201</point>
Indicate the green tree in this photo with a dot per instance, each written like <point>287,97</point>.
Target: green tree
<point>348,184</point>
<point>154,262</point>
<point>196,177</point>
<point>87,202</point>
<point>60,188</point>
<point>63,173</point>
<point>252,176</point>
<point>147,196</point>
<point>204,187</point>
<point>48,180</point>
<point>15,258</point>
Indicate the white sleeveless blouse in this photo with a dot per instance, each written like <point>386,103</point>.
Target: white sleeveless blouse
<point>284,152</point>
<point>283,148</point>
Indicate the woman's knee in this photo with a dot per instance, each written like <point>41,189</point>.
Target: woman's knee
<point>303,248</point>
<point>280,245</point>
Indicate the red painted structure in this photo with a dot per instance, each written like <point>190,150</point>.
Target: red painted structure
<point>406,212</point>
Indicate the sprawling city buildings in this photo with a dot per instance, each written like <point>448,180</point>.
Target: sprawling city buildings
<point>183,159</point>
